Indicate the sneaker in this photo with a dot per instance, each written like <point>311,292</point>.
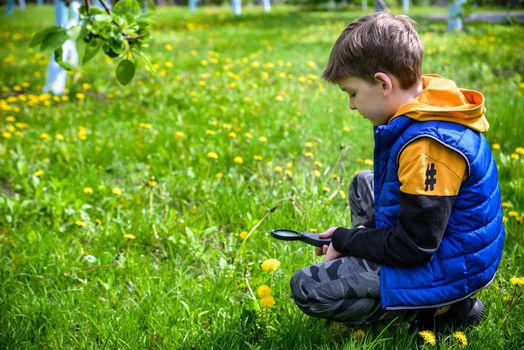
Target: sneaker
<point>460,315</point>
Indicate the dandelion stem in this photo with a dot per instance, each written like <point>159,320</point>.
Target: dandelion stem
<point>268,212</point>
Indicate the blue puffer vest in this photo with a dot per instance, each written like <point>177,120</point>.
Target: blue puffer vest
<point>471,248</point>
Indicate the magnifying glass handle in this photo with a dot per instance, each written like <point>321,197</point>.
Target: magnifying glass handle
<point>315,240</point>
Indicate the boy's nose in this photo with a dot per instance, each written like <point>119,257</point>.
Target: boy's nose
<point>352,106</point>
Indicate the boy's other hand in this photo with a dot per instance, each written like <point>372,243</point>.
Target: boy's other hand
<point>328,250</point>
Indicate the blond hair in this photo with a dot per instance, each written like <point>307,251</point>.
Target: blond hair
<point>380,42</point>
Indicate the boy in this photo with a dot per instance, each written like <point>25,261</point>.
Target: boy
<point>427,222</point>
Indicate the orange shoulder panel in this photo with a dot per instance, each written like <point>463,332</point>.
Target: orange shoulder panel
<point>427,167</point>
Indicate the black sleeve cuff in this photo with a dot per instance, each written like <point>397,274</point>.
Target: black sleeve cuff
<point>339,236</point>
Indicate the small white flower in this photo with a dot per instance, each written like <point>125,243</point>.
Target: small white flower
<point>90,259</point>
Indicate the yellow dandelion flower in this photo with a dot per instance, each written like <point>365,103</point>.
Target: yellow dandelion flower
<point>219,175</point>
<point>59,137</point>
<point>86,86</point>
<point>368,162</point>
<point>311,64</point>
<point>212,155</point>
<point>259,158</point>
<point>6,135</point>
<point>38,173</point>
<point>308,154</point>
<point>45,136</point>
<point>129,236</point>
<point>145,125</point>
<point>289,165</point>
<point>346,129</point>
<point>243,234</point>
<point>116,190</point>
<point>268,301</point>
<point>358,335</point>
<point>325,189</point>
<point>10,119</point>
<point>313,230</point>
<point>506,204</point>
<point>151,183</point>
<point>232,135</point>
<point>248,135</point>
<point>179,135</point>
<point>288,173</point>
<point>262,139</point>
<point>88,190</point>
<point>517,281</point>
<point>342,194</point>
<point>238,160</point>
<point>278,169</point>
<point>319,164</point>
<point>519,150</point>
<point>98,222</point>
<point>513,214</point>
<point>210,132</point>
<point>515,156</point>
<point>504,219</point>
<point>80,96</point>
<point>461,338</point>
<point>168,47</point>
<point>279,98</point>
<point>270,265</point>
<point>428,337</point>
<point>263,291</point>
<point>316,173</point>
<point>80,223</point>
<point>308,145</point>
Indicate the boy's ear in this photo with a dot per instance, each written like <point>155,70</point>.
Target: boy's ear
<point>385,81</point>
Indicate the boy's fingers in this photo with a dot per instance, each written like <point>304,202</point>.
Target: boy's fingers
<point>325,249</point>
<point>327,233</point>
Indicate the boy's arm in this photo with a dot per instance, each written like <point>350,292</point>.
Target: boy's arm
<point>430,175</point>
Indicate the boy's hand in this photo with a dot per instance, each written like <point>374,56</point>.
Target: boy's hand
<point>326,250</point>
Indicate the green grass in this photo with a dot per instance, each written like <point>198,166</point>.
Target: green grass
<point>188,279</point>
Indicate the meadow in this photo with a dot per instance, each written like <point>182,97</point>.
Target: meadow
<point>139,217</point>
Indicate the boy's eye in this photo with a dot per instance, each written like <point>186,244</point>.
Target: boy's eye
<point>352,95</point>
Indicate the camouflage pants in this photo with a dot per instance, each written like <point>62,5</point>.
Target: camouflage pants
<point>346,289</point>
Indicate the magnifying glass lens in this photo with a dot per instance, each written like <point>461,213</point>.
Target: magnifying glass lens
<point>286,233</point>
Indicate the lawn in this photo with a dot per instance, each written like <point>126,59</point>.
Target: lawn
<point>139,217</point>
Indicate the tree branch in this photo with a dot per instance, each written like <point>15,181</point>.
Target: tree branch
<point>105,7</point>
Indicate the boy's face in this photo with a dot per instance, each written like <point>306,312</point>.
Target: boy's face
<point>368,99</point>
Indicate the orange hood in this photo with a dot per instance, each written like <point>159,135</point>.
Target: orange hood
<point>441,99</point>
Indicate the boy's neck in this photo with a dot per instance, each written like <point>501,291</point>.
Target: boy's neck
<point>404,96</point>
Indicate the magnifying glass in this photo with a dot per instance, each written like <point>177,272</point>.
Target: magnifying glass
<point>306,237</point>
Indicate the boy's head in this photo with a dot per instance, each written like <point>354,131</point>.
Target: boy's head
<point>372,49</point>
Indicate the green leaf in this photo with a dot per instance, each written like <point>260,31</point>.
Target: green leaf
<point>39,37</point>
<point>125,71</point>
<point>102,18</point>
<point>124,7</point>
<point>58,59</point>
<point>91,51</point>
<point>77,32</point>
<point>96,11</point>
<point>146,60</point>
<point>54,40</point>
